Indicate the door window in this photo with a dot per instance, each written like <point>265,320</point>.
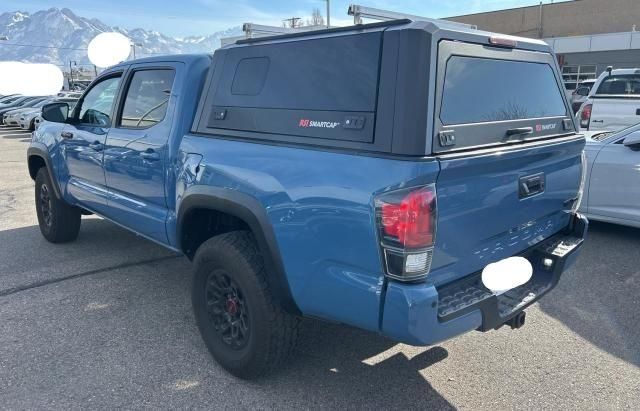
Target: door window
<point>582,91</point>
<point>147,98</point>
<point>98,102</point>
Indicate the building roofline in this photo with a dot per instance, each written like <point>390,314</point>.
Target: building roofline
<point>559,2</point>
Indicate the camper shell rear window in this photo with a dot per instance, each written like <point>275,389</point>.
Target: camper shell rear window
<point>490,96</point>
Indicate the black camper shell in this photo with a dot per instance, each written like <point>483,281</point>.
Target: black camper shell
<point>379,88</point>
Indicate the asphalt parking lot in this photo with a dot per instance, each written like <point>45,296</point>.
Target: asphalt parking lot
<point>106,322</point>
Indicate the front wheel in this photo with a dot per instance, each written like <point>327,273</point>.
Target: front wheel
<point>59,222</point>
<point>243,326</point>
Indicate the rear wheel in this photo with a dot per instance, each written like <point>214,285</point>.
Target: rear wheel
<point>243,326</point>
<point>59,222</point>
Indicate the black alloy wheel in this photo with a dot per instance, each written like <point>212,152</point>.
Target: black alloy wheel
<point>227,309</point>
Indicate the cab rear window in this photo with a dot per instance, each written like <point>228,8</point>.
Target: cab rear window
<point>620,85</point>
<point>479,90</point>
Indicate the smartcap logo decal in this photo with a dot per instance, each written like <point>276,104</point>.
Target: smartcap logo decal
<point>317,124</point>
<point>545,127</point>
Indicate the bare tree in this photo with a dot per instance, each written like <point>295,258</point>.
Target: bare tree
<point>316,18</point>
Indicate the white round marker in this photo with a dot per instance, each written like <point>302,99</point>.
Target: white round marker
<point>507,274</point>
<point>107,49</point>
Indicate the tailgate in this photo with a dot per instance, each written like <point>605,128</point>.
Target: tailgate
<point>510,161</point>
<point>614,113</point>
<point>485,214</point>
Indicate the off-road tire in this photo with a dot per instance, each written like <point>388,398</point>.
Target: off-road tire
<point>272,332</point>
<point>59,222</point>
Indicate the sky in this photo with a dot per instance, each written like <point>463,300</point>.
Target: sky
<point>180,18</point>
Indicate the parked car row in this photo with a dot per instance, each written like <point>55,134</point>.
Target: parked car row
<point>22,111</point>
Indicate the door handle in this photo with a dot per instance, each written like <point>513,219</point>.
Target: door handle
<point>597,121</point>
<point>66,134</point>
<point>150,155</point>
<point>519,130</point>
<point>96,145</point>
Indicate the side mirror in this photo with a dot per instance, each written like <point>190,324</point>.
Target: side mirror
<point>55,112</point>
<point>633,141</point>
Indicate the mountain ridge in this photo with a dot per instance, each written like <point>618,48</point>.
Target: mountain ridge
<point>61,37</point>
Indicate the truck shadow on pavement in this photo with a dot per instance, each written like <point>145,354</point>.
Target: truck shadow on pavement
<point>359,369</point>
<point>118,311</point>
<point>599,298</point>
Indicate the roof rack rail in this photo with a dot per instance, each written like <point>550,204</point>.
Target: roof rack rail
<point>324,30</point>
<point>253,31</point>
<point>363,12</point>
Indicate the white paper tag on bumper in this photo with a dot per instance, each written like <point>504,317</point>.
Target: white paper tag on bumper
<point>506,274</point>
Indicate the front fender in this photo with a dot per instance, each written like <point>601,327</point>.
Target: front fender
<point>37,153</point>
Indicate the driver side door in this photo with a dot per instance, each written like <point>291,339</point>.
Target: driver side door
<point>82,143</point>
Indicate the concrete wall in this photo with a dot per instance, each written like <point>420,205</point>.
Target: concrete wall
<point>602,59</point>
<point>570,18</point>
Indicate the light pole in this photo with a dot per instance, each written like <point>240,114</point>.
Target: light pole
<point>71,73</point>
<point>328,13</point>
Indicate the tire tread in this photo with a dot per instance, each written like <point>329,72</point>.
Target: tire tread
<point>284,326</point>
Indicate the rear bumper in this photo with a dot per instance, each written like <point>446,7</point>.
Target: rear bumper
<point>423,314</point>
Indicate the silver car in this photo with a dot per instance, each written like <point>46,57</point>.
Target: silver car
<point>27,119</point>
<point>612,185</point>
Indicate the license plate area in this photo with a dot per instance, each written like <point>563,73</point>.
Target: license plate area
<point>468,294</point>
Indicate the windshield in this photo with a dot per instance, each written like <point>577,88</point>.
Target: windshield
<point>8,100</point>
<point>42,103</point>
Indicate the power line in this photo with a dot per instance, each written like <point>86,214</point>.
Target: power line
<point>41,47</point>
<point>67,48</point>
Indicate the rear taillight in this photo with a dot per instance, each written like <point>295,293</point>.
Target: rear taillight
<point>406,222</point>
<point>585,115</point>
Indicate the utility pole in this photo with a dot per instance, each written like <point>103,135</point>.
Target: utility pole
<point>293,22</point>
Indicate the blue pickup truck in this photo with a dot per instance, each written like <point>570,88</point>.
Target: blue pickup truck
<point>365,175</point>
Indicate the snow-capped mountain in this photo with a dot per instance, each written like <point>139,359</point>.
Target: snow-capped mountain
<point>66,37</point>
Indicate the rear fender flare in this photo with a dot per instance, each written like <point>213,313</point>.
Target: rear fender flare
<point>252,212</point>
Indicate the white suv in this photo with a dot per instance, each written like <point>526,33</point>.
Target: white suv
<point>613,102</point>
